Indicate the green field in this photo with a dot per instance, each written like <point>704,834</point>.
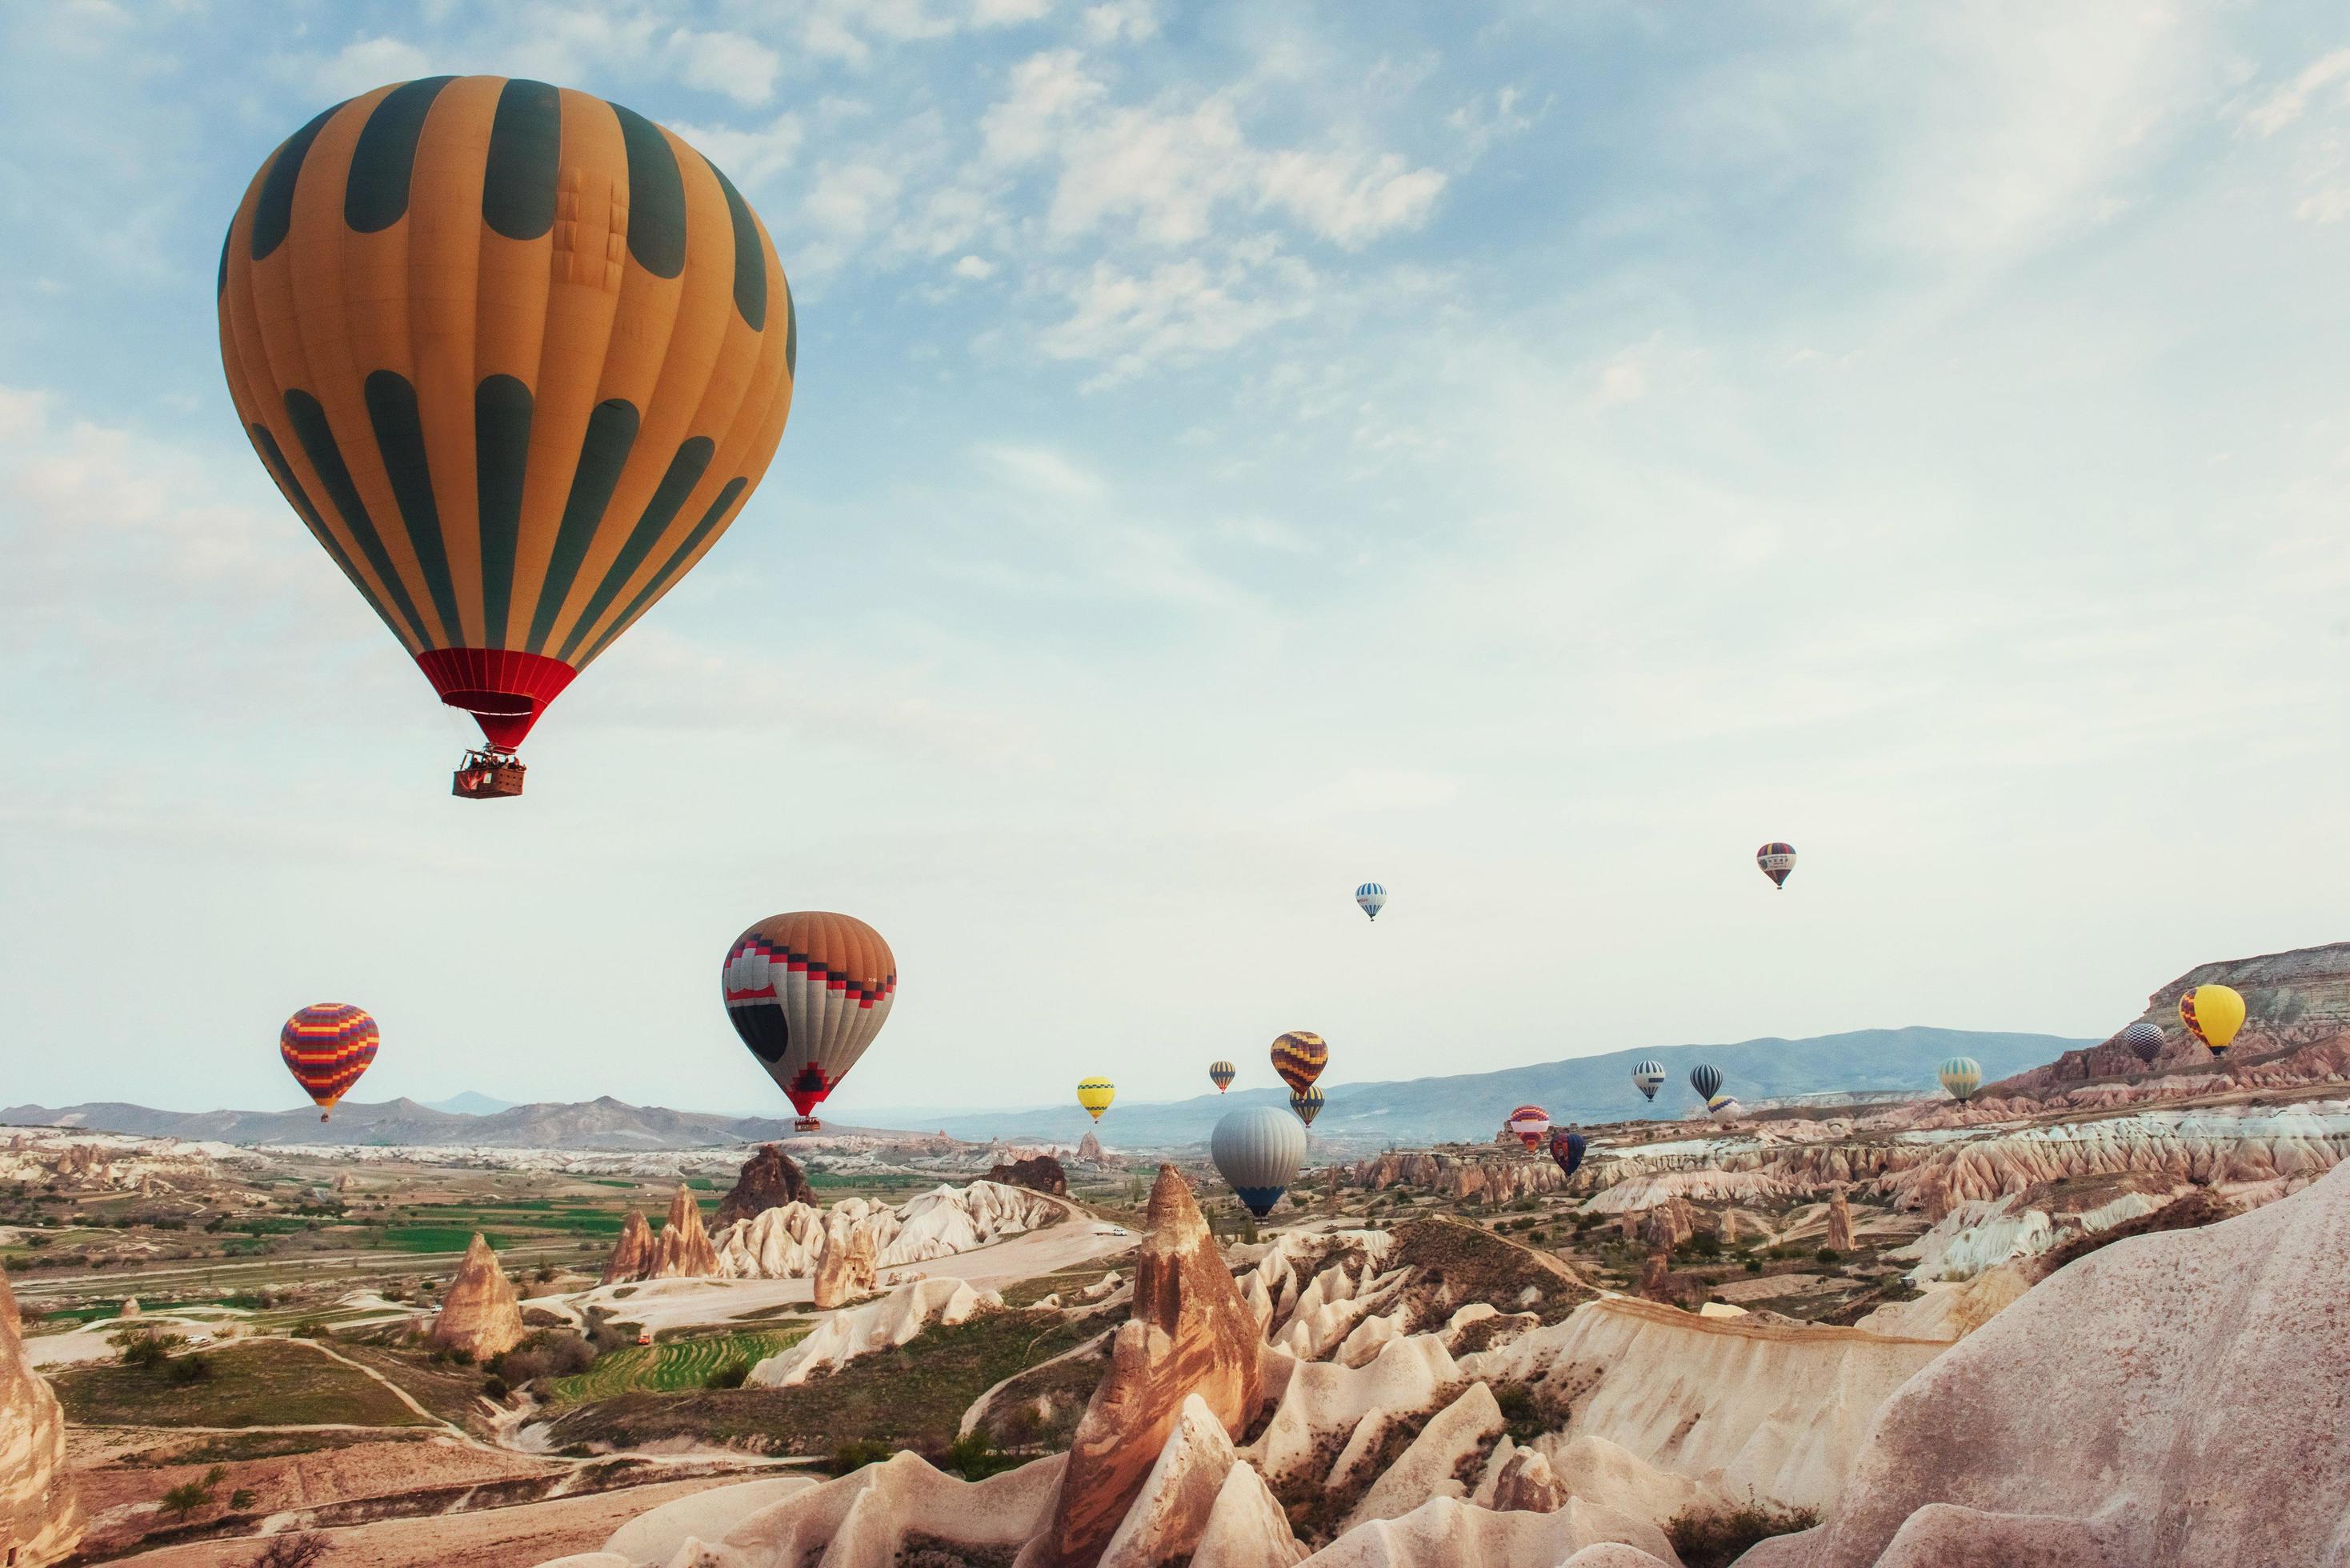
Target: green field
<point>673,1367</point>
<point>433,1238</point>
<point>256,1382</point>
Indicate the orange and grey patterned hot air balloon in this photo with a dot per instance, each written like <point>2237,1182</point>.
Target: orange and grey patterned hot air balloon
<point>326,1046</point>
<point>1299,1057</point>
<point>807,993</point>
<point>516,355</point>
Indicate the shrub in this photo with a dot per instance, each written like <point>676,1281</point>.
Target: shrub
<point>311,1328</point>
<point>148,1352</point>
<point>857,1453</point>
<point>188,1369</point>
<point>303,1550</point>
<point>1753,1265</point>
<point>189,1496</point>
<point>243,1498</point>
<point>496,1387</point>
<point>1718,1538</point>
<point>1828,1255</point>
<point>1705,1245</point>
<point>976,1459</point>
<point>730,1375</point>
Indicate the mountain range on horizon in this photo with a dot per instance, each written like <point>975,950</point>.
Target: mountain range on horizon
<point>1448,1108</point>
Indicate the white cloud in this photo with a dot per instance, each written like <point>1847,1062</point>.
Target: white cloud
<point>1115,21</point>
<point>851,201</point>
<point>1176,313</point>
<point>1043,88</point>
<point>1043,471</point>
<point>2288,103</point>
<point>976,268</point>
<point>369,63</point>
<point>741,68</point>
<point>1347,198</point>
<point>1008,13</point>
<point>1622,381</point>
<point>750,158</point>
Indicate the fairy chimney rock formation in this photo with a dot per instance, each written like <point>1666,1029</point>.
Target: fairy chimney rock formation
<point>682,1250</point>
<point>131,1308</point>
<point>481,1313</point>
<point>769,1179</point>
<point>846,1267</point>
<point>1192,1334</point>
<point>1037,1173</point>
<point>632,1255</point>
<point>1839,1222</point>
<point>1089,1150</point>
<point>40,1519</point>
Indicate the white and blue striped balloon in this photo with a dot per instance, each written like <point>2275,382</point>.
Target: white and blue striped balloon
<point>1648,1076</point>
<point>1372,898</point>
<point>1258,1150</point>
<point>1961,1075</point>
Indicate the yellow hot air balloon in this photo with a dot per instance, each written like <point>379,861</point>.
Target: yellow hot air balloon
<point>516,355</point>
<point>1095,1094</point>
<point>2212,1013</point>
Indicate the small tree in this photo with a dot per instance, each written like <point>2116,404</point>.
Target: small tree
<point>303,1550</point>
<point>189,1496</point>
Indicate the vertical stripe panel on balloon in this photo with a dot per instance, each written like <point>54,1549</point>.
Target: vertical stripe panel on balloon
<point>643,350</point>
<point>591,212</point>
<point>444,242</point>
<point>316,433</point>
<point>603,455</point>
<point>685,471</point>
<point>671,347</point>
<point>349,301</point>
<point>514,283</point>
<point>274,354</point>
<point>400,447</point>
<point>803,1014</point>
<point>501,408</point>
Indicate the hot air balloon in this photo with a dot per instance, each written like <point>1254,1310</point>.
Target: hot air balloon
<point>2212,1013</point>
<point>1372,898</point>
<point>1566,1148</point>
<point>1307,1104</point>
<point>1720,1105</point>
<point>2144,1037</point>
<point>1648,1077</point>
<point>1961,1075</point>
<point>1095,1094</point>
<point>515,356</point>
<point>1299,1057</point>
<point>1531,1124</point>
<point>807,993</point>
<point>326,1046</point>
<point>1776,860</point>
<point>1221,1075</point>
<point>1258,1150</point>
<point>1706,1080</point>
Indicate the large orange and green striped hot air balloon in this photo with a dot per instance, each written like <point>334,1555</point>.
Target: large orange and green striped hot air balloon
<point>1299,1057</point>
<point>326,1046</point>
<point>516,355</point>
<point>807,993</point>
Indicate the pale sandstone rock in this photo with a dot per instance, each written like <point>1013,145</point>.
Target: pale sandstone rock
<point>480,1313</point>
<point>2216,1439</point>
<point>682,1250</point>
<point>1950,1311</point>
<point>1735,1403</point>
<point>40,1518</point>
<point>1246,1528</point>
<point>1171,1511</point>
<point>1191,1335</point>
<point>1495,1178</point>
<point>881,1324</point>
<point>1426,1468</point>
<point>1602,1472</point>
<point>1527,1485</point>
<point>846,1268</point>
<point>1445,1532</point>
<point>632,1251</point>
<point>1323,1399</point>
<point>1839,1222</point>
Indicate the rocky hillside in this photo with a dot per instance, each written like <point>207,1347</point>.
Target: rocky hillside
<point>2296,1022</point>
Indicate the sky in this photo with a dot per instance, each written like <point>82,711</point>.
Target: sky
<point>1525,454</point>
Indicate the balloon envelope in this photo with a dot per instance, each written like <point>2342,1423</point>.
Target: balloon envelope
<point>1095,1094</point>
<point>326,1046</point>
<point>1777,861</point>
<point>2144,1037</point>
<point>807,993</point>
<point>1648,1077</point>
<point>1961,1075</point>
<point>515,356</point>
<point>1299,1057</point>
<point>1372,898</point>
<point>1221,1075</point>
<point>1307,1104</point>
<point>1258,1150</point>
<point>1566,1148</point>
<point>1706,1079</point>
<point>1531,1124</point>
<point>2212,1013</point>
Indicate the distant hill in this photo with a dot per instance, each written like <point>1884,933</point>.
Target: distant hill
<point>471,1103</point>
<point>1584,1089</point>
<point>1416,1111</point>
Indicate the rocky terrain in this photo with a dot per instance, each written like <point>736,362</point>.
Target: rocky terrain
<point>480,1314</point>
<point>791,1240</point>
<point>40,1517</point>
<point>768,1179</point>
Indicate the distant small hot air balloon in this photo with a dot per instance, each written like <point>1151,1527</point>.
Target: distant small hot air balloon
<point>1776,860</point>
<point>1648,1077</point>
<point>1566,1148</point>
<point>1372,898</point>
<point>1706,1079</point>
<point>806,992</point>
<point>1258,1150</point>
<point>1095,1094</point>
<point>1221,1075</point>
<point>1299,1057</point>
<point>1307,1104</point>
<point>2212,1013</point>
<point>2144,1037</point>
<point>1531,1124</point>
<point>1961,1075</point>
<point>326,1046</point>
